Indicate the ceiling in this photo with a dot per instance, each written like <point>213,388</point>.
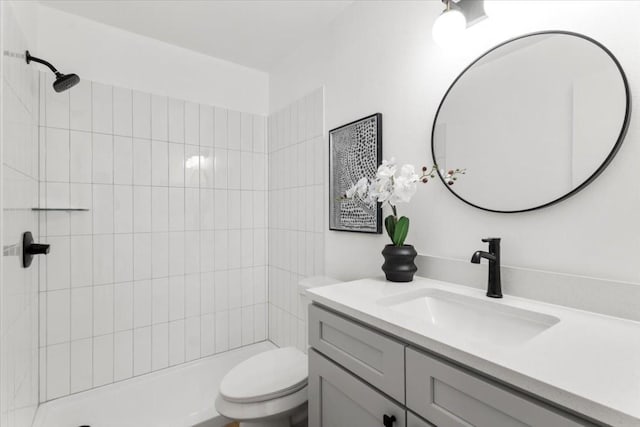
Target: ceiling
<point>252,33</point>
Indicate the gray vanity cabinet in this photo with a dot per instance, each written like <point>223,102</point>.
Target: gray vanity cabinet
<point>358,375</point>
<point>338,399</point>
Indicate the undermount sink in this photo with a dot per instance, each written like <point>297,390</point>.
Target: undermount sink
<point>471,318</point>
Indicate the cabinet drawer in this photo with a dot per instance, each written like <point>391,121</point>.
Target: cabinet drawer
<point>375,358</point>
<point>450,397</point>
<point>338,399</point>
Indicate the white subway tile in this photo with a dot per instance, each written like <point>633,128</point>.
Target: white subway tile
<point>176,120</point>
<point>58,316</point>
<point>80,157</point>
<point>176,342</point>
<point>176,298</point>
<point>141,209</point>
<point>160,346</point>
<point>192,252</point>
<point>246,132</point>
<point>159,163</point>
<point>57,108</point>
<point>176,253</point>
<point>192,166</point>
<point>206,126</point>
<point>176,165</point>
<point>192,338</point>
<point>122,112</point>
<point>159,209</point>
<point>141,303</point>
<point>234,218</point>
<point>58,370</point>
<point>102,209</point>
<point>221,291</point>
<point>58,263</point>
<point>220,168</point>
<point>235,249</point>
<point>160,300</point>
<point>123,355</point>
<point>141,351</point>
<point>246,258</point>
<point>159,126</point>
<point>81,261</point>
<point>259,134</point>
<point>141,162</point>
<point>102,360</point>
<point>123,208</point>
<point>207,214</point>
<point>81,313</point>
<point>207,334</point>
<point>207,293</point>
<point>192,295</point>
<point>57,155</point>
<point>192,209</point>
<point>247,325</point>
<point>80,106</point>
<point>123,257</point>
<point>191,123</point>
<point>222,331</point>
<point>220,209</point>
<point>234,172</point>
<point>246,209</point>
<point>233,130</point>
<point>141,115</point>
<point>142,256</point>
<point>176,209</point>
<point>123,306</point>
<point>102,108</point>
<point>103,307</point>
<point>206,168</point>
<point>206,250</point>
<point>102,152</point>
<point>235,328</point>
<point>81,365</point>
<point>220,128</point>
<point>122,160</point>
<point>259,323</point>
<point>102,259</point>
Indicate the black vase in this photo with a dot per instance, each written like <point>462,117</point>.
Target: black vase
<point>398,263</point>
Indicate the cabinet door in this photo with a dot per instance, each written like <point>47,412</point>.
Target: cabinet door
<point>415,421</point>
<point>338,399</point>
<point>448,396</point>
<point>376,358</point>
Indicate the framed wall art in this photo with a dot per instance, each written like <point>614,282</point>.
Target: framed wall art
<point>355,151</point>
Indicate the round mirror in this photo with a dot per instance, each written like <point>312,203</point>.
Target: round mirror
<point>532,121</point>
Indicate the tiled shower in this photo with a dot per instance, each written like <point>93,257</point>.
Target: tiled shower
<point>168,264</point>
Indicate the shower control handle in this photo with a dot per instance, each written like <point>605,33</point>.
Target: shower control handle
<point>387,421</point>
<point>29,249</point>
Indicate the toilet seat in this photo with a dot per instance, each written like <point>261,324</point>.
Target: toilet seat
<point>266,376</point>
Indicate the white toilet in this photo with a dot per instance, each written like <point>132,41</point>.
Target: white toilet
<point>270,389</point>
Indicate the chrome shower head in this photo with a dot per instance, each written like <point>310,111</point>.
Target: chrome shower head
<point>63,81</point>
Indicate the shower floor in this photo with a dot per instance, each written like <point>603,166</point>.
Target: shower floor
<point>182,396</point>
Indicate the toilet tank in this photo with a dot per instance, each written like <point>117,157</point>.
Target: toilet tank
<point>304,301</point>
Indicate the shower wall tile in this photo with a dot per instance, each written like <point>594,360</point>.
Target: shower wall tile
<point>294,166</point>
<point>170,263</point>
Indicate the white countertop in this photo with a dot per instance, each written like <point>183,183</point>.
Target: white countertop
<point>588,363</point>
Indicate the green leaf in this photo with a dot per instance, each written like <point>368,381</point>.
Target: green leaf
<point>390,225</point>
<point>401,231</point>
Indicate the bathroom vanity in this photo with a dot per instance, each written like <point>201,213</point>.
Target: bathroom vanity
<point>437,354</point>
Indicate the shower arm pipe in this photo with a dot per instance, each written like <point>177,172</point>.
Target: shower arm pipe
<point>30,58</point>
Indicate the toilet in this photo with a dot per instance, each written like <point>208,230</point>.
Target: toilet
<point>270,389</point>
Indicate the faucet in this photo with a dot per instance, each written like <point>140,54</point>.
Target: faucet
<point>494,287</point>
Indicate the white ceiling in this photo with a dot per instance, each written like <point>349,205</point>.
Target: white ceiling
<point>252,33</point>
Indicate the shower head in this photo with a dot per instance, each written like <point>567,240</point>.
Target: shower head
<point>63,81</point>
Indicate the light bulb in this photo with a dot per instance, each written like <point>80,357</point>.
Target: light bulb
<point>493,8</point>
<point>449,27</point>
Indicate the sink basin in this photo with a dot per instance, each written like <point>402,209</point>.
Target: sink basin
<point>470,318</point>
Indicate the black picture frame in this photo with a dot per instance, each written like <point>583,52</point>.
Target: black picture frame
<point>340,179</point>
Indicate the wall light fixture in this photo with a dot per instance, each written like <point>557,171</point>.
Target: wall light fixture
<point>455,18</point>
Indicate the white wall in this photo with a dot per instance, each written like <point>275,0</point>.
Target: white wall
<point>19,178</point>
<point>380,57</point>
<point>110,55</point>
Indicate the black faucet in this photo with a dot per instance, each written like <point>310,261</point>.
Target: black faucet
<point>494,287</point>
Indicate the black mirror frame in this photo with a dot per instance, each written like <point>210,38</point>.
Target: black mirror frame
<point>599,170</point>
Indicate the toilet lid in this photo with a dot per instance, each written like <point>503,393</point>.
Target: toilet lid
<point>266,376</point>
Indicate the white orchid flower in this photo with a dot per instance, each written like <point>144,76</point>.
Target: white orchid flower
<point>387,169</point>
